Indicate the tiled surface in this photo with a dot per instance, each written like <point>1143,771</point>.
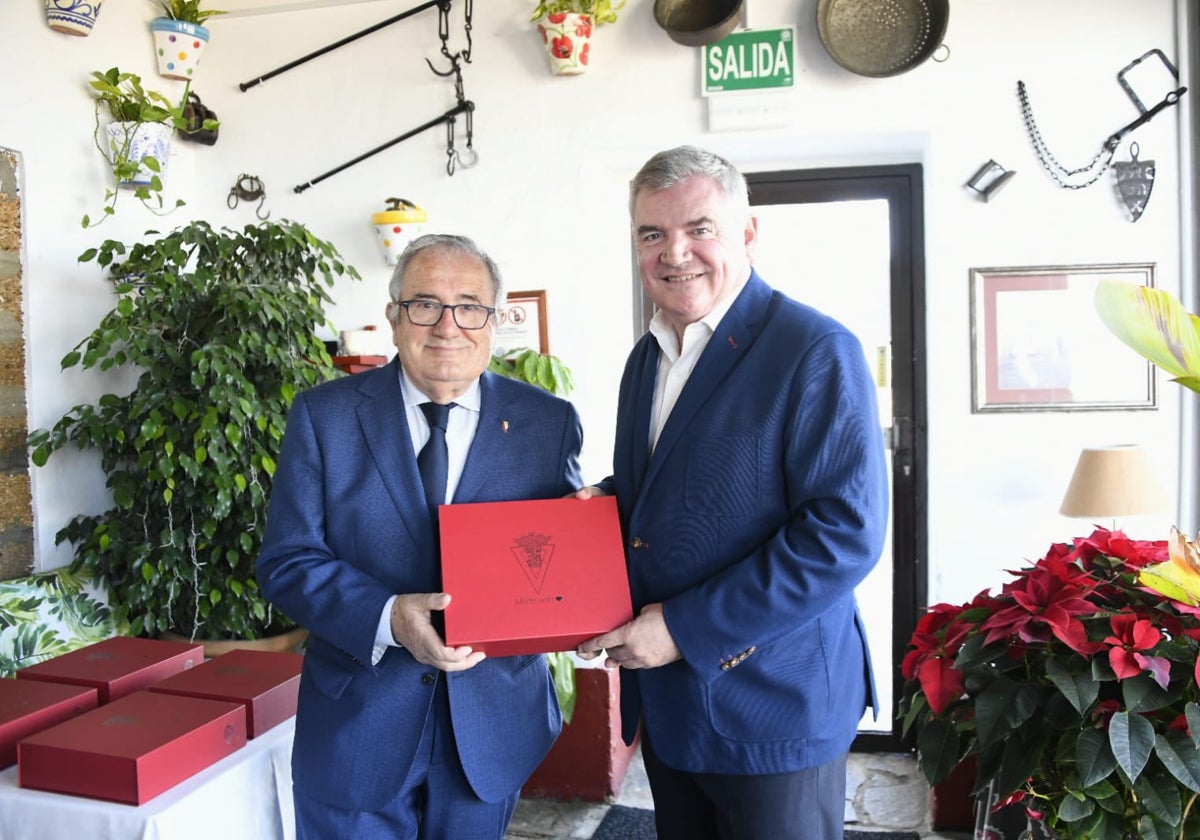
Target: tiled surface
<point>545,819</point>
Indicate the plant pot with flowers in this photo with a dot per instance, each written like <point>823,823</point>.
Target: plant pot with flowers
<point>565,27</point>
<point>179,37</point>
<point>136,142</point>
<point>1076,689</point>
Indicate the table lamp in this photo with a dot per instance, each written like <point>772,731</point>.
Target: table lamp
<point>1111,482</point>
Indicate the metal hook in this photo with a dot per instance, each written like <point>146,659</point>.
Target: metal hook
<point>451,154</point>
<point>248,188</point>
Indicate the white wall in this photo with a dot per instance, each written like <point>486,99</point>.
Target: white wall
<point>548,198</point>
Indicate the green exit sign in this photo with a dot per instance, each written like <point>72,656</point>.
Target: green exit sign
<point>754,59</point>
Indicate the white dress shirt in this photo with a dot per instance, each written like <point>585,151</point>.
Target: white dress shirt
<point>675,363</point>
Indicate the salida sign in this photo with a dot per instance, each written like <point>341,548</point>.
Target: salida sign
<point>754,59</point>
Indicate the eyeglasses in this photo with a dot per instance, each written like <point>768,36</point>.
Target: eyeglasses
<point>468,316</point>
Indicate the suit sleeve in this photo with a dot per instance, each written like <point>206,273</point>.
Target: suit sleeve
<point>297,569</point>
<point>834,484</point>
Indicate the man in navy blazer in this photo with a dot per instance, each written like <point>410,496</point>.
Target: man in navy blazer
<point>397,735</point>
<point>750,477</point>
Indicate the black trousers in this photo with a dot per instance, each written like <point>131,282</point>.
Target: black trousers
<point>806,805</point>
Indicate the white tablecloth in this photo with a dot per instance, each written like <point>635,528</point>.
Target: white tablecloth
<point>245,796</point>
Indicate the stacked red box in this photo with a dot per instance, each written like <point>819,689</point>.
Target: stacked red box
<point>117,666</point>
<point>29,706</point>
<point>532,577</point>
<point>132,749</point>
<point>267,684</point>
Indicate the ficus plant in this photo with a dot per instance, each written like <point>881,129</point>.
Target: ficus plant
<point>221,327</point>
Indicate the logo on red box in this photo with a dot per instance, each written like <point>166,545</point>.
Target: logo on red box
<point>533,552</point>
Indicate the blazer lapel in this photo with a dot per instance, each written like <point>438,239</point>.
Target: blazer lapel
<point>728,345</point>
<point>384,426</point>
<point>644,402</point>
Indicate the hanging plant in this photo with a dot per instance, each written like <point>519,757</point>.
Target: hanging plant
<point>137,140</point>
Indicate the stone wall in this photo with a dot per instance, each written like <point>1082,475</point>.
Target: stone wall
<point>886,791</point>
<point>16,520</point>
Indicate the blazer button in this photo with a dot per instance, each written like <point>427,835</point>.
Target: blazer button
<point>638,542</point>
<point>428,679</point>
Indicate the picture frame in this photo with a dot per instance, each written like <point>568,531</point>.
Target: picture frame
<point>1038,344</point>
<point>522,322</point>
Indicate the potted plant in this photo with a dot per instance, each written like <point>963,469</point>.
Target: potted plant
<point>221,325</point>
<point>179,37</point>
<point>1074,689</point>
<point>566,30</point>
<point>72,17</point>
<point>137,139</point>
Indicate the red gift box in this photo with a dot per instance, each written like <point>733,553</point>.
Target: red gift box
<point>29,706</point>
<point>266,683</point>
<point>132,749</point>
<point>532,577</point>
<point>117,666</point>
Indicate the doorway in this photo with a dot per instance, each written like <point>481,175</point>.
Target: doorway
<point>850,242</point>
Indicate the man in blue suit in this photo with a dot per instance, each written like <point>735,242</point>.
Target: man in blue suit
<point>397,735</point>
<point>750,477</point>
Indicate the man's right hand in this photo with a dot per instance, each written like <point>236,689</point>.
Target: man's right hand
<point>412,627</point>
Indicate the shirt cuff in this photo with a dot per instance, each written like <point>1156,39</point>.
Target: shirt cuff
<point>383,633</point>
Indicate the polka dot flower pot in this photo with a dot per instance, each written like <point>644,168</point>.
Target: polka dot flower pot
<point>178,45</point>
<point>395,227</point>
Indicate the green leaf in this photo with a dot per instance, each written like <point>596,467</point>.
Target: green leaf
<point>1075,683</point>
<point>1180,756</point>
<point>1094,757</point>
<point>1131,737</point>
<point>1155,324</point>
<point>938,749</point>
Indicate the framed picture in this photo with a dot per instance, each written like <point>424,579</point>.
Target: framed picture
<point>521,322</point>
<point>1037,343</point>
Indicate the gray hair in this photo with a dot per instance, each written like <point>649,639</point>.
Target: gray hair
<point>445,242</point>
<point>674,166</point>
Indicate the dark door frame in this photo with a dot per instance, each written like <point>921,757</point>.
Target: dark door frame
<point>901,187</point>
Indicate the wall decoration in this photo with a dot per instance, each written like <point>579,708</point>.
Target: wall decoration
<point>521,322</point>
<point>1038,344</point>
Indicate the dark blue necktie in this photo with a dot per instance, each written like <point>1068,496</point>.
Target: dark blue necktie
<point>433,460</point>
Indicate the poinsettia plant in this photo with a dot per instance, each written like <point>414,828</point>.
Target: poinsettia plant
<point>1075,688</point>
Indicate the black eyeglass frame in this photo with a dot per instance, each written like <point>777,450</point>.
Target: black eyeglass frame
<point>453,307</point>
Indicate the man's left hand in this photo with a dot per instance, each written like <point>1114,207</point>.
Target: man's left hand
<point>644,642</point>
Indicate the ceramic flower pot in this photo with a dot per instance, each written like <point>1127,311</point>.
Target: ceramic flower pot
<point>567,38</point>
<point>395,227</point>
<point>147,140</point>
<point>72,17</point>
<point>178,45</point>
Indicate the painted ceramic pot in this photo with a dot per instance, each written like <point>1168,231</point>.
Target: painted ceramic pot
<point>395,227</point>
<point>567,38</point>
<point>178,45</point>
<point>72,17</point>
<point>148,140</point>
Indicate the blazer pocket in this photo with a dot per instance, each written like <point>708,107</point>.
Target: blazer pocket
<point>722,476</point>
<point>329,669</point>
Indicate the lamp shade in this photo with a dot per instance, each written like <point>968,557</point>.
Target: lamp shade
<point>1112,481</point>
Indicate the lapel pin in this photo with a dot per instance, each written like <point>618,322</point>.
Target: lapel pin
<point>504,426</point>
<point>732,343</point>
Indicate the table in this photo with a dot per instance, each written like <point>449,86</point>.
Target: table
<point>244,796</point>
